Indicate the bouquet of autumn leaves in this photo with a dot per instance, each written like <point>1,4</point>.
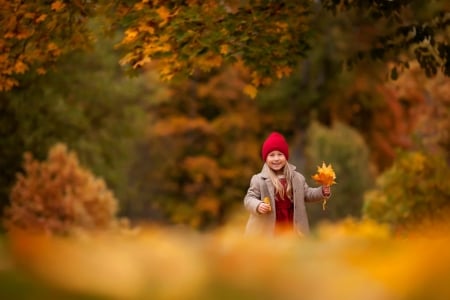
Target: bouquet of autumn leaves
<point>325,176</point>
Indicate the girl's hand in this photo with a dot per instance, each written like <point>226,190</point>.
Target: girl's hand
<point>263,208</point>
<point>326,190</point>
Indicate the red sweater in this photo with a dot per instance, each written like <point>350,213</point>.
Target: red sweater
<point>284,208</point>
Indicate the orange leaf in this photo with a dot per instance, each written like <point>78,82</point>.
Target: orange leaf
<point>250,90</point>
<point>325,175</point>
<point>164,14</point>
<point>57,5</point>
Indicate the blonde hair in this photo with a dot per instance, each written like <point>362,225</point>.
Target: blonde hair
<point>277,183</point>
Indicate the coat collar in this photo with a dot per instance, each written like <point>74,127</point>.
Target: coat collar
<point>265,170</point>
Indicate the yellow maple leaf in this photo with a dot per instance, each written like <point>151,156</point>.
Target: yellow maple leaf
<point>267,201</point>
<point>325,175</point>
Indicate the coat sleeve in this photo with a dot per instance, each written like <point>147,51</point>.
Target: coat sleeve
<point>312,194</point>
<point>253,197</point>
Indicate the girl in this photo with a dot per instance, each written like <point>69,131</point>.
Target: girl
<point>284,190</point>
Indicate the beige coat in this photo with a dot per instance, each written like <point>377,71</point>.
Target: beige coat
<point>261,186</point>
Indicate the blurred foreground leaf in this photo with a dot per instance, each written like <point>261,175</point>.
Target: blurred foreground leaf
<point>349,260</point>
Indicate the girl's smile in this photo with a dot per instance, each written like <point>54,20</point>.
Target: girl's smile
<point>276,160</point>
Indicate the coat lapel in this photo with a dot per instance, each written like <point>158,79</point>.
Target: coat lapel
<point>268,183</point>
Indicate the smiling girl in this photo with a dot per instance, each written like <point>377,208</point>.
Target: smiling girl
<point>277,195</point>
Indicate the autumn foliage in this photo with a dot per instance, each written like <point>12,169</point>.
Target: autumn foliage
<point>202,148</point>
<point>325,175</point>
<point>202,35</point>
<point>34,34</point>
<point>413,192</point>
<point>348,260</point>
<point>268,37</point>
<point>59,196</point>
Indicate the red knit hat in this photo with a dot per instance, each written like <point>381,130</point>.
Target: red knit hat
<point>275,141</point>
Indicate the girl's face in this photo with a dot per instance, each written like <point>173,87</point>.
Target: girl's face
<point>276,161</point>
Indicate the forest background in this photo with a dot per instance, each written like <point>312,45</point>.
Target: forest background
<point>168,102</point>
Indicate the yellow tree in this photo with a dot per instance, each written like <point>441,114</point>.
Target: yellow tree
<point>269,37</point>
<point>185,36</point>
<point>34,34</point>
<point>414,190</point>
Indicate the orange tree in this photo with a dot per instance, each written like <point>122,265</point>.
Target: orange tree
<point>59,196</point>
<point>268,36</point>
<point>414,190</point>
<point>201,148</point>
<point>34,34</point>
<point>377,41</point>
<point>384,111</point>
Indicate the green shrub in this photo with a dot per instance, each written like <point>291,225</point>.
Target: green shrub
<point>346,151</point>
